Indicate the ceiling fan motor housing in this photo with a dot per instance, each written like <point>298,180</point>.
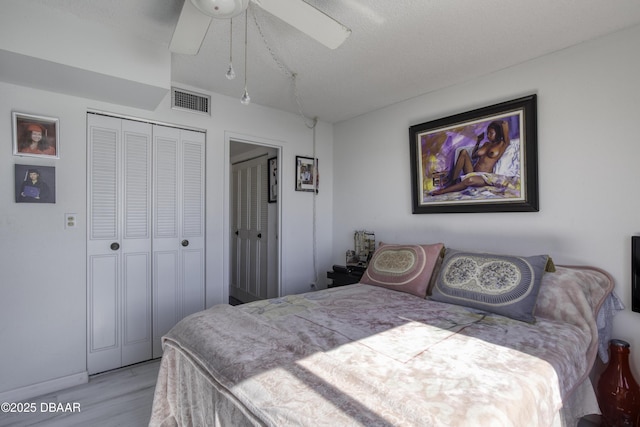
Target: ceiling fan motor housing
<point>221,9</point>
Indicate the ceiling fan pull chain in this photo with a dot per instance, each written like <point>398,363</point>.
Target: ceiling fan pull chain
<point>246,99</point>
<point>231,74</point>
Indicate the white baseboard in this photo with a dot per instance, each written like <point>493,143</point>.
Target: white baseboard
<point>46,387</point>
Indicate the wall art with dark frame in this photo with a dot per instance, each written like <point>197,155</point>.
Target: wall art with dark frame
<point>484,160</point>
<point>306,174</point>
<point>35,184</point>
<point>273,179</point>
<point>36,136</point>
<point>635,273</point>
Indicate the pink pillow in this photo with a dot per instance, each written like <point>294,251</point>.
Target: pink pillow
<point>404,268</point>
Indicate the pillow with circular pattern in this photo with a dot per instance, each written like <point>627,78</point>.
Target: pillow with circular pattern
<point>404,268</point>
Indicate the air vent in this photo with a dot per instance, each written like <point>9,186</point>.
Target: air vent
<point>190,101</point>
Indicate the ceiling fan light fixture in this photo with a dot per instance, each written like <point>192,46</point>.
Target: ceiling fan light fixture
<point>222,9</point>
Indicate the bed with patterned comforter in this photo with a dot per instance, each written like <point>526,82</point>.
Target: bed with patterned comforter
<point>362,355</point>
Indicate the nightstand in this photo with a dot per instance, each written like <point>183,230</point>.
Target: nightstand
<point>342,275</point>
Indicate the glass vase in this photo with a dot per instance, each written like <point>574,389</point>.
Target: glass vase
<point>618,391</point>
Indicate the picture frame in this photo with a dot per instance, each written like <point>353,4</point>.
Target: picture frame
<point>635,274</point>
<point>273,179</point>
<point>35,136</point>
<point>35,184</point>
<point>466,163</point>
<point>306,174</point>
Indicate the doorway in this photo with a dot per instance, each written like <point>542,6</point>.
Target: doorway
<point>254,244</point>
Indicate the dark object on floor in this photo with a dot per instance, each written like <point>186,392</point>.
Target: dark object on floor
<point>234,301</point>
<point>590,421</point>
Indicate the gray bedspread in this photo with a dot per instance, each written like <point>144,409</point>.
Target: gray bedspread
<point>368,356</point>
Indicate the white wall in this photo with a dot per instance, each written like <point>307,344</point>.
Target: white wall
<point>588,148</point>
<point>42,266</point>
<point>63,54</point>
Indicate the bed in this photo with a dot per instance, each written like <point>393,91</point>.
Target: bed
<point>370,355</point>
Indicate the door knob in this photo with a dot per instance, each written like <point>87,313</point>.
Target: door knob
<point>185,243</point>
<point>115,246</point>
<point>259,235</point>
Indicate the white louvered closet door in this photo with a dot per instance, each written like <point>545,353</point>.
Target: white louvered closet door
<point>178,228</point>
<point>250,233</point>
<point>145,246</point>
<point>119,243</point>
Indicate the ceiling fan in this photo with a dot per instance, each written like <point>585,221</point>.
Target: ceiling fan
<point>196,15</point>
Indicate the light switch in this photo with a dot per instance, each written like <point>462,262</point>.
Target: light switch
<point>70,220</point>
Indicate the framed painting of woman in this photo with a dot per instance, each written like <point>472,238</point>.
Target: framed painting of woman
<point>35,136</point>
<point>484,160</point>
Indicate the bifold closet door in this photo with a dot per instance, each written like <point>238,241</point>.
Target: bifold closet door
<point>178,228</point>
<point>119,243</point>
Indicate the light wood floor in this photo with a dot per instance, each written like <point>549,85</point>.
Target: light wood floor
<point>117,398</point>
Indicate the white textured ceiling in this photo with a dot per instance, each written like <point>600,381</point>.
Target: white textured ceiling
<point>397,49</point>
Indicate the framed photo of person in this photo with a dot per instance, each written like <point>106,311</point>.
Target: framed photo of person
<point>273,179</point>
<point>484,160</point>
<point>35,184</point>
<point>36,136</point>
<point>306,174</point>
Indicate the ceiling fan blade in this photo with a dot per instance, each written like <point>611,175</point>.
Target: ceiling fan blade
<point>306,18</point>
<point>190,30</point>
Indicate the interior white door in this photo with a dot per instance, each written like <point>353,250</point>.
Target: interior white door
<point>178,228</point>
<point>119,243</point>
<point>250,232</point>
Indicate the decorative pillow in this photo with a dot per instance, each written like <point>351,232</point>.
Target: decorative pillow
<point>405,268</point>
<point>501,284</point>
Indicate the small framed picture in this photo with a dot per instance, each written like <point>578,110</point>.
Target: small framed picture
<point>273,179</point>
<point>36,136</point>
<point>306,174</point>
<point>35,184</point>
